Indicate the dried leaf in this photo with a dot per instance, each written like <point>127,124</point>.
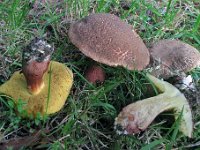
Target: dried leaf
<point>21,142</point>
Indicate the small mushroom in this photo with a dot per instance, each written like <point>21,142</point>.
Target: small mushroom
<point>173,57</point>
<point>109,40</point>
<point>95,74</point>
<point>43,87</point>
<point>136,117</point>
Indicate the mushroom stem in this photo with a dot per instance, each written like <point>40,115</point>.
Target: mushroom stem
<point>36,58</point>
<point>138,116</point>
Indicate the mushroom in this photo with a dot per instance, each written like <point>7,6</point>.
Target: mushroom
<point>173,57</point>
<point>107,39</point>
<point>43,87</point>
<point>95,74</point>
<point>136,117</point>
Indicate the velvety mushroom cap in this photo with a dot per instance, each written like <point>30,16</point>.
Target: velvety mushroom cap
<point>109,40</point>
<point>173,57</point>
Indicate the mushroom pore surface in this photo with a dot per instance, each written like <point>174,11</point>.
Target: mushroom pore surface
<point>60,85</point>
<point>109,40</point>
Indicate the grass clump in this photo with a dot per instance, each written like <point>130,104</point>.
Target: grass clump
<point>86,121</point>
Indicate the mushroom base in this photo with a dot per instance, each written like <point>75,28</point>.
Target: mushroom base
<point>35,89</point>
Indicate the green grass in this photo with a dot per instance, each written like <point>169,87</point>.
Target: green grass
<point>86,121</point>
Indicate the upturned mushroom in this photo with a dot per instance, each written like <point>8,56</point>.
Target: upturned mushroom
<point>44,85</point>
<point>173,57</point>
<point>107,39</point>
<point>136,117</point>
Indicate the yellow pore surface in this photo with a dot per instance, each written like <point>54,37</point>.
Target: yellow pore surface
<point>60,85</point>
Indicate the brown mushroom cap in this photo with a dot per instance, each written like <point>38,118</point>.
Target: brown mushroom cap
<point>95,74</point>
<point>109,40</point>
<point>173,57</point>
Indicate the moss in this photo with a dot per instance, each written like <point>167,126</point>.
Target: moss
<point>60,85</point>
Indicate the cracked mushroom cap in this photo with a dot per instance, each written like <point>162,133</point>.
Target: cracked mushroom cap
<point>60,85</point>
<point>109,40</point>
<point>172,57</point>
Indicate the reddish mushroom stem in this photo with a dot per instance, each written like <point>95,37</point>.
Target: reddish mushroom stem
<point>36,58</point>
